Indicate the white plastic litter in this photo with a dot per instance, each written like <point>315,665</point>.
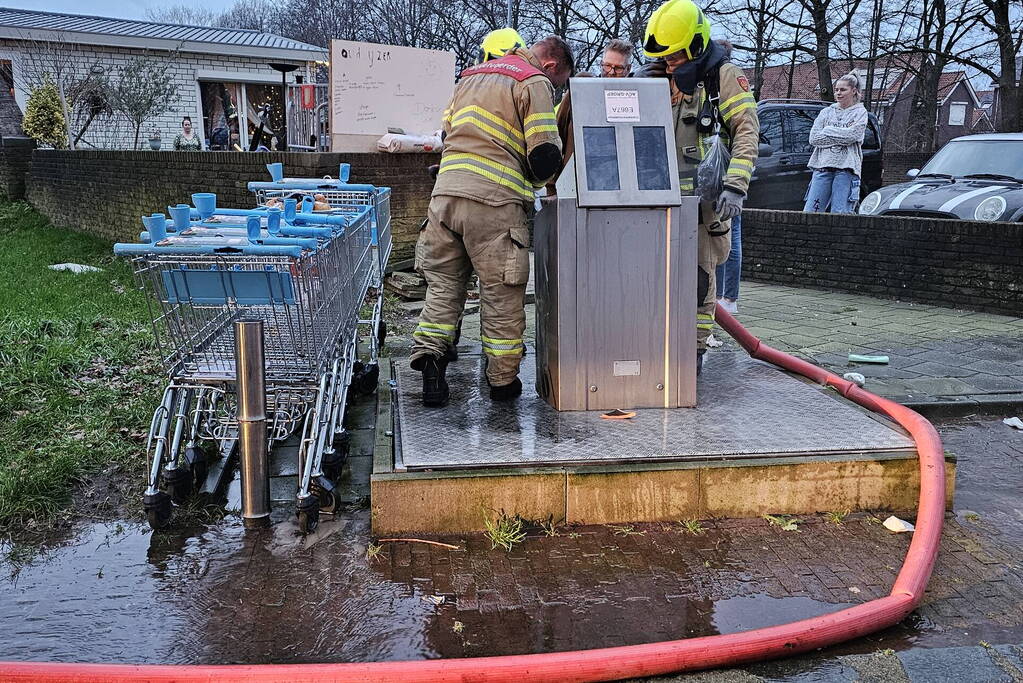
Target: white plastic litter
<point>1013,422</point>
<point>856,378</point>
<point>713,342</point>
<point>397,144</point>
<point>897,525</point>
<point>76,268</point>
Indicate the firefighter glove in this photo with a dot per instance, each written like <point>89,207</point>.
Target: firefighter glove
<point>729,204</point>
<point>658,68</point>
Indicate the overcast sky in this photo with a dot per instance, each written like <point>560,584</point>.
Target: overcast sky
<point>128,9</point>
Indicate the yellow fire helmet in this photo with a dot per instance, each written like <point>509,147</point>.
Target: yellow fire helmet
<point>677,25</point>
<point>500,42</point>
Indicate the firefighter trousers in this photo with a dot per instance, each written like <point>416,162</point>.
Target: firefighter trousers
<point>713,244</point>
<point>462,235</point>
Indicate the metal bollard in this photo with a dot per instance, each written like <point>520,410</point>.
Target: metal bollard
<point>252,439</point>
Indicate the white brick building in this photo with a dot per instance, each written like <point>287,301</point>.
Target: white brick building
<point>223,75</point>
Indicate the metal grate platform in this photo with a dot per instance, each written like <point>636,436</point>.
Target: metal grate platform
<point>747,409</point>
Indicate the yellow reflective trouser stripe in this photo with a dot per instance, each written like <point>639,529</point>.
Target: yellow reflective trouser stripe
<point>501,347</point>
<point>704,321</point>
<point>735,110</point>
<point>435,330</point>
<point>491,170</point>
<point>469,118</point>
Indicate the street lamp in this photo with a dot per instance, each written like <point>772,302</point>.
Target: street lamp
<point>285,69</point>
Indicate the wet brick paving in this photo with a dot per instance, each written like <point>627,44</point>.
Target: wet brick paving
<point>219,595</point>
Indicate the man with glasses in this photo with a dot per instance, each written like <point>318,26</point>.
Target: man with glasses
<point>617,59</point>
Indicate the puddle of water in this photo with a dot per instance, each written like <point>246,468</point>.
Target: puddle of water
<point>118,593</point>
<point>757,611</point>
<point>97,598</point>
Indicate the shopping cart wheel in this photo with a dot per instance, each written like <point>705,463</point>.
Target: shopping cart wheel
<point>196,459</point>
<point>333,462</point>
<point>366,381</point>
<point>327,494</point>
<point>308,513</point>
<point>158,509</point>
<point>381,333</point>
<point>179,483</point>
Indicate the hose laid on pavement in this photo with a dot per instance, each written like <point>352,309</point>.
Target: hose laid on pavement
<point>630,661</point>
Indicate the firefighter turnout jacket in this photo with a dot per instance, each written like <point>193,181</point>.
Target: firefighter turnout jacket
<point>740,129</point>
<point>501,112</point>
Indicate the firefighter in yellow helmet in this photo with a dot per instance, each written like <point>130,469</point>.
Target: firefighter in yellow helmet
<point>709,96</point>
<point>499,43</point>
<point>501,144</point>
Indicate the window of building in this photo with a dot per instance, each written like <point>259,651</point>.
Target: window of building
<point>232,113</point>
<point>957,114</point>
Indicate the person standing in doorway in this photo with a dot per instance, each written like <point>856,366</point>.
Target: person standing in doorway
<point>837,141</point>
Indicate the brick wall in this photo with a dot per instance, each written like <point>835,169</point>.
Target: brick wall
<point>897,163</point>
<point>106,192</point>
<point>15,160</point>
<point>960,264</point>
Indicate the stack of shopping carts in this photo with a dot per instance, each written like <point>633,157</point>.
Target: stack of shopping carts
<point>329,196</point>
<point>305,275</point>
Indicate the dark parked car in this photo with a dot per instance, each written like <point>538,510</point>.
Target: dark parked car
<point>976,177</point>
<point>781,176</point>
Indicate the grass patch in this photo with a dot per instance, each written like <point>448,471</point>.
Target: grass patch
<point>79,373</point>
<point>837,517</point>
<point>692,526</point>
<point>504,531</point>
<point>784,522</point>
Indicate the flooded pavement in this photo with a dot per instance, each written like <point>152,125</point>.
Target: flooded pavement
<point>115,592</point>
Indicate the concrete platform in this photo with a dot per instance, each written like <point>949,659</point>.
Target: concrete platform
<point>761,441</point>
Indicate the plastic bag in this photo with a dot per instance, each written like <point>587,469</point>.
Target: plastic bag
<point>399,143</point>
<point>710,174</point>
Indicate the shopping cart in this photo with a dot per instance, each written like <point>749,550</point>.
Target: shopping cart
<point>329,196</point>
<point>201,276</point>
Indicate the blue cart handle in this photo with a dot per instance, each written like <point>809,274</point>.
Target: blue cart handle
<point>122,248</point>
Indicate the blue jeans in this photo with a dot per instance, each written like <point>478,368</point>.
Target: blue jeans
<point>838,189</point>
<point>729,272</point>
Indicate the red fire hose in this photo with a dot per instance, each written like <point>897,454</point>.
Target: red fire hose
<point>629,661</point>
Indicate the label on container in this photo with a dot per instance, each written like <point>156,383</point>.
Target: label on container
<point>621,105</point>
<point>626,368</point>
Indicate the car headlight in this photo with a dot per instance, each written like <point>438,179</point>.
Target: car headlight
<point>870,203</point>
<point>990,209</point>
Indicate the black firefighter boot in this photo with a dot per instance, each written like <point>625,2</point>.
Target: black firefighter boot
<point>699,361</point>
<point>506,392</point>
<point>435,386</point>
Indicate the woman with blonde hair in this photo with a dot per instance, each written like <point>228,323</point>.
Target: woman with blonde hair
<point>837,157</point>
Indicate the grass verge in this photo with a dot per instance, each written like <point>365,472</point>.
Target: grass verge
<point>79,373</point>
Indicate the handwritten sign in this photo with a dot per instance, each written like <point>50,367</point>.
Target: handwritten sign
<point>376,87</point>
<point>621,105</point>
